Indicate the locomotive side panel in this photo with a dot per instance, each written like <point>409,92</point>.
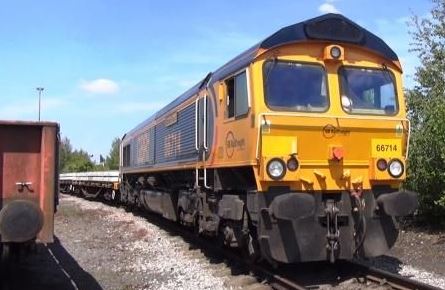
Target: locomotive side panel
<point>175,137</point>
<point>162,142</point>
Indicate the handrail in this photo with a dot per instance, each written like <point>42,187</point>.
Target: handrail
<point>196,124</point>
<point>204,141</point>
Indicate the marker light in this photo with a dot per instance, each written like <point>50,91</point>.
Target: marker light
<point>382,165</point>
<point>292,164</point>
<point>276,169</point>
<point>335,52</point>
<point>395,168</point>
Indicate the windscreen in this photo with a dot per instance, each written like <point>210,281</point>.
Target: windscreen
<point>368,91</point>
<point>295,86</point>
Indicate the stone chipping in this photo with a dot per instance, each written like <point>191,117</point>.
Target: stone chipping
<point>124,251</point>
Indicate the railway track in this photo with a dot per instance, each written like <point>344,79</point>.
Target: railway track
<point>387,278</point>
<point>306,276</point>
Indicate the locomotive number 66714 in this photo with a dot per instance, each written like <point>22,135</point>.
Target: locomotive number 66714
<point>294,150</point>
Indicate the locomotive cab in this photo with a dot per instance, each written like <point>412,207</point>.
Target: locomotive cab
<point>332,148</point>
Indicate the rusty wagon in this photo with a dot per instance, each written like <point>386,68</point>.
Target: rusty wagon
<point>28,183</point>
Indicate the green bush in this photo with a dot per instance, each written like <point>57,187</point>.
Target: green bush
<point>426,110</point>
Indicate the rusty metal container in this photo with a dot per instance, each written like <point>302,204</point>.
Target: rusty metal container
<point>28,180</point>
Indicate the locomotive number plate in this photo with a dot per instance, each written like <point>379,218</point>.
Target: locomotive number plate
<point>386,148</point>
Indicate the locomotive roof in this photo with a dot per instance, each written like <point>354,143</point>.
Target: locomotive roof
<point>328,27</point>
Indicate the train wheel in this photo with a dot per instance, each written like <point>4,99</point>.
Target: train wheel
<point>138,203</point>
<point>251,249</point>
<point>196,225</point>
<point>181,216</point>
<point>199,219</point>
<point>221,238</point>
<point>6,253</point>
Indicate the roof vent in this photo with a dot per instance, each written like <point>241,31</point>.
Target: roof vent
<point>334,29</point>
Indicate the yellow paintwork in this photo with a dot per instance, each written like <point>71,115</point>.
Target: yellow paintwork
<point>263,134</point>
<point>273,146</point>
<point>389,148</point>
<point>268,134</point>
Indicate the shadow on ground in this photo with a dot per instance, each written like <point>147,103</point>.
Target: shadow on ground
<point>50,267</point>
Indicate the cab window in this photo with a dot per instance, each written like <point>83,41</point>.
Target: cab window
<point>293,86</point>
<point>237,101</point>
<point>368,91</point>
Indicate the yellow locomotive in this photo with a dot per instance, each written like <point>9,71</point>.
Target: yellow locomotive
<point>293,151</point>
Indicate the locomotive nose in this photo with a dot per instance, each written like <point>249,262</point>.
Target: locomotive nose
<point>20,221</point>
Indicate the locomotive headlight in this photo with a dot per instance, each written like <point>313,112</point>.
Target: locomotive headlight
<point>276,169</point>
<point>395,168</point>
<point>335,52</point>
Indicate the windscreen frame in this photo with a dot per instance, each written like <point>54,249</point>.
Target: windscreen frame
<point>289,109</point>
<point>382,69</point>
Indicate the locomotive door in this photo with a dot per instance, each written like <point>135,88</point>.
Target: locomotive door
<point>202,137</point>
<point>201,128</point>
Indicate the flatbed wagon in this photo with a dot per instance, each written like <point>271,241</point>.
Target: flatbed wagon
<point>92,184</point>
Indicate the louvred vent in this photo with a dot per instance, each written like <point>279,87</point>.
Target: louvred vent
<point>335,29</point>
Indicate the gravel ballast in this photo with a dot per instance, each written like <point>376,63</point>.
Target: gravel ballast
<point>417,254</point>
<point>124,251</point>
<point>99,246</point>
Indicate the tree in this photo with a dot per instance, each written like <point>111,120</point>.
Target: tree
<point>65,150</point>
<point>112,160</point>
<point>426,109</point>
<point>79,161</point>
<point>73,161</point>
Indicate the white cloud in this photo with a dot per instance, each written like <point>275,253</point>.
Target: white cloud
<point>100,86</point>
<point>328,7</point>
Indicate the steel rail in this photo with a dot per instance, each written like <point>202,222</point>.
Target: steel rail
<point>383,277</point>
<point>260,272</point>
<point>351,269</point>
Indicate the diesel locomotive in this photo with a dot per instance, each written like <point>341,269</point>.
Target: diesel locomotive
<point>28,183</point>
<point>293,151</point>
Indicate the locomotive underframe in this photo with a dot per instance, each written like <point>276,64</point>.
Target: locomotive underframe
<point>278,225</point>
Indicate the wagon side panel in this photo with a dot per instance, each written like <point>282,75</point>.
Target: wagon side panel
<point>48,183</point>
<point>28,165</point>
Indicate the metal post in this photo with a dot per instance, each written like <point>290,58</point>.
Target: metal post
<point>40,89</point>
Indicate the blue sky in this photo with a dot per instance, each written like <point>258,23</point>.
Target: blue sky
<point>107,65</point>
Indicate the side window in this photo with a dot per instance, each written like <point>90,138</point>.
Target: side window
<point>126,156</point>
<point>237,96</point>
